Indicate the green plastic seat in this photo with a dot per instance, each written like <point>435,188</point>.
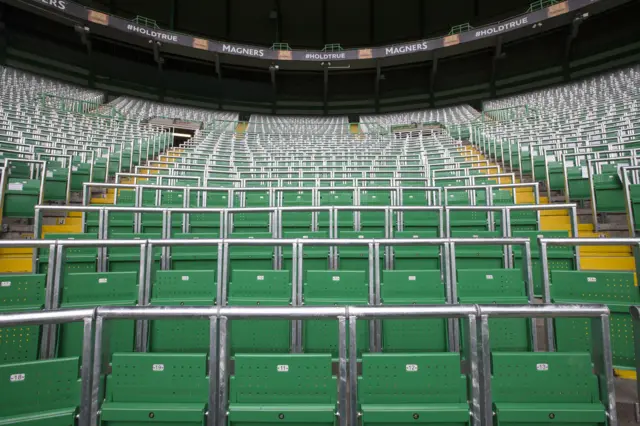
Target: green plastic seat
<point>546,388</point>
<point>121,259</point>
<point>416,257</point>
<point>418,287</point>
<point>77,259</point>
<point>399,389</point>
<point>295,389</point>
<point>182,288</point>
<point>251,257</point>
<point>195,257</point>
<point>336,198</point>
<point>88,290</point>
<point>252,222</point>
<point>297,220</point>
<point>56,182</point>
<point>356,258</point>
<point>615,289</point>
<point>498,286</point>
<point>470,256</point>
<point>609,190</point>
<point>373,220</point>
<point>314,257</point>
<point>260,288</point>
<point>20,293</point>
<point>333,288</point>
<point>558,257</point>
<point>40,393</point>
<point>20,197</point>
<point>150,388</point>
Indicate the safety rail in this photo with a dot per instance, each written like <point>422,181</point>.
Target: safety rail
<point>477,347</point>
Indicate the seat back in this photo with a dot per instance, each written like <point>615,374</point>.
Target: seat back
<point>543,377</point>
<point>283,379</point>
<point>20,293</point>
<point>158,378</point>
<point>491,286</point>
<point>34,387</point>
<point>411,379</point>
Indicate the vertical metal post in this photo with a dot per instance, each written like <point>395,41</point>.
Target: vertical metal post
<point>546,294</point>
<point>485,372</point>
<point>213,372</point>
<point>474,371</point>
<point>353,372</point>
<point>97,369</point>
<point>294,295</point>
<point>85,372</point>
<point>452,298</point>
<point>343,409</point>
<point>603,364</point>
<point>144,283</point>
<point>103,234</point>
<point>377,296</point>
<point>45,351</point>
<point>223,359</point>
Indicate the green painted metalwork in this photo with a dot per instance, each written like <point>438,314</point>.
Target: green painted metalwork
<point>23,293</point>
<point>292,389</point>
<point>615,289</point>
<point>260,288</point>
<point>143,388</point>
<point>546,388</point>
<point>417,287</point>
<point>413,388</point>
<point>40,393</point>
<point>329,288</point>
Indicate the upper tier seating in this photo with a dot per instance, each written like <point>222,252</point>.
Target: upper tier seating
<point>291,212</point>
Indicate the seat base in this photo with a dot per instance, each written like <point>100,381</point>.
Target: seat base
<point>434,414</point>
<point>62,417</point>
<point>586,414</point>
<point>291,414</point>
<point>167,414</point>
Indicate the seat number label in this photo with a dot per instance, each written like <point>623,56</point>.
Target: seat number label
<point>283,368</point>
<point>412,278</point>
<point>591,279</point>
<point>489,277</point>
<point>336,278</point>
<point>185,278</point>
<point>412,368</point>
<point>542,367</point>
<point>260,277</point>
<point>5,284</point>
<point>158,367</point>
<point>17,378</point>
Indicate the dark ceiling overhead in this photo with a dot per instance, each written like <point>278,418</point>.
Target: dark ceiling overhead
<point>314,23</point>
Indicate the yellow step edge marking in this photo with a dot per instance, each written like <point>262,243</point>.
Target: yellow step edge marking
<point>625,374</point>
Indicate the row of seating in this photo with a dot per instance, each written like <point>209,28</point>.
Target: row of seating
<point>381,388</point>
<point>298,125</point>
<point>577,139</point>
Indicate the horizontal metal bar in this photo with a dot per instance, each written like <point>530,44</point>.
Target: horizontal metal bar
<point>157,312</point>
<point>101,243</point>
<point>541,207</point>
<point>45,317</point>
<point>26,243</point>
<point>490,241</point>
<point>589,241</point>
<point>285,312</point>
<point>411,241</point>
<point>435,311</point>
<point>543,311</point>
<point>47,208</point>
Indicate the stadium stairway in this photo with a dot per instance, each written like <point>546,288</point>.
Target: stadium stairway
<point>593,258</point>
